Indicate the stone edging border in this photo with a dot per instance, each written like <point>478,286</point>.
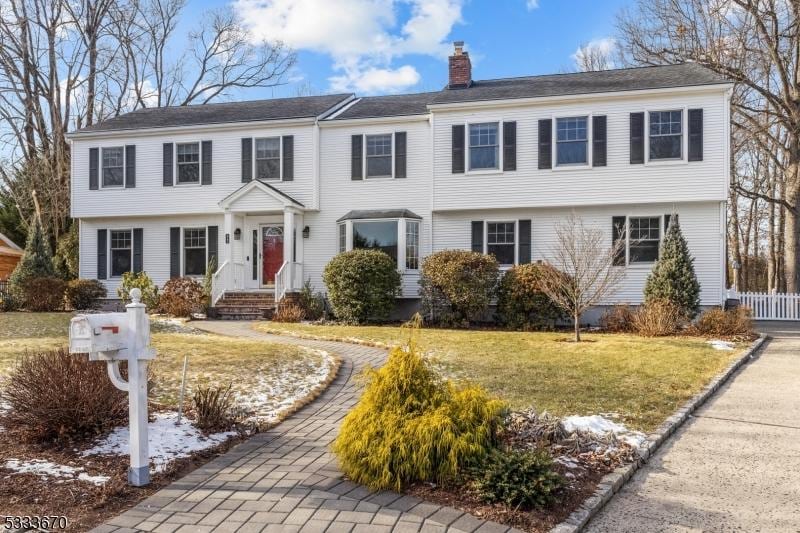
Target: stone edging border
<point>614,481</point>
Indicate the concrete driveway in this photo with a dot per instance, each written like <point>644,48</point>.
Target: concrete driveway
<point>735,465</point>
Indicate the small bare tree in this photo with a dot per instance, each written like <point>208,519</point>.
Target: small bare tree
<point>584,270</point>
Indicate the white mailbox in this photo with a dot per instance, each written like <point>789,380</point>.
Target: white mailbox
<point>115,337</point>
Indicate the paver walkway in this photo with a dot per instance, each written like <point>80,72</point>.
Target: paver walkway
<point>286,479</point>
<point>734,466</point>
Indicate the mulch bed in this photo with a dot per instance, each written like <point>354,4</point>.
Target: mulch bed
<point>84,504</point>
<point>532,520</point>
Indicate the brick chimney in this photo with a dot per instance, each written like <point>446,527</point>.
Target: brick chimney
<point>460,68</point>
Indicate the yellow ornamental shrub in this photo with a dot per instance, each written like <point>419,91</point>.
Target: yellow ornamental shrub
<point>410,425</point>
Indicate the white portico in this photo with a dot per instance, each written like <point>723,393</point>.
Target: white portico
<point>262,243</point>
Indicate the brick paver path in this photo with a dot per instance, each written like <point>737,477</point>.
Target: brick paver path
<point>286,479</point>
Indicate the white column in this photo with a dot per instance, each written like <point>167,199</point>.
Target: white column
<point>138,341</point>
<point>288,241</point>
<point>228,238</point>
<point>300,277</point>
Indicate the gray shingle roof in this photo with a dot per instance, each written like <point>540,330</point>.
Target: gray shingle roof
<point>360,214</point>
<point>249,111</point>
<point>630,79</point>
<point>388,106</point>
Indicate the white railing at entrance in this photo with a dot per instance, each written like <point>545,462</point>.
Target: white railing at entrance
<point>229,276</point>
<point>771,305</point>
<point>288,278</point>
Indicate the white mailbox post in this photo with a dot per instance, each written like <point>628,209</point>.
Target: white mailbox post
<point>115,337</point>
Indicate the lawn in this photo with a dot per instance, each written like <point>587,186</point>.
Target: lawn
<point>642,380</point>
<point>268,377</point>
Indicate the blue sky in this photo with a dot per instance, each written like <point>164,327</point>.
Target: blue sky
<point>391,46</point>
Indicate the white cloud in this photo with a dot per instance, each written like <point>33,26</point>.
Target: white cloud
<point>594,50</point>
<point>365,38</point>
<point>532,4</point>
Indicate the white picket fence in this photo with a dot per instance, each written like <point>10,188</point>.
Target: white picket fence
<point>771,305</point>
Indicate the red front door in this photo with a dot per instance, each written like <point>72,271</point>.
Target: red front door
<point>271,253</point>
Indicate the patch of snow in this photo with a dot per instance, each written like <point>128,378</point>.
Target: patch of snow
<point>167,441</point>
<point>721,345</point>
<point>166,324</point>
<point>46,469</point>
<point>273,394</point>
<point>601,426</point>
<point>567,461</point>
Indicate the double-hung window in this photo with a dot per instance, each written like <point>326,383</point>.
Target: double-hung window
<point>501,241</point>
<point>194,252</point>
<point>666,134</point>
<point>113,167</point>
<point>188,162</point>
<point>572,145</point>
<point>121,252</point>
<point>268,158</point>
<point>484,150</point>
<point>342,238</point>
<point>379,156</point>
<point>644,239</point>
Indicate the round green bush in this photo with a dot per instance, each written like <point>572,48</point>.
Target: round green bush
<point>362,285</point>
<point>84,293</point>
<point>518,478</point>
<point>457,286</point>
<point>521,304</point>
<point>141,281</point>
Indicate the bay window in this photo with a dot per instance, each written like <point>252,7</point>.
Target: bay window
<point>398,236</point>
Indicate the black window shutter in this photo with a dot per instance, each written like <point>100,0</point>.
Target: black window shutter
<point>545,143</point>
<point>138,248</point>
<point>524,241</point>
<point>247,159</point>
<point>637,138</point>
<point>509,146</point>
<point>458,149</point>
<point>477,236</point>
<point>400,154</point>
<point>618,233</point>
<point>167,164</point>
<point>599,139</point>
<point>213,243</point>
<point>102,247</point>
<point>695,135</point>
<point>94,166</point>
<point>288,157</point>
<point>356,163</point>
<point>130,166</point>
<point>174,252</point>
<point>668,219</point>
<point>205,172</point>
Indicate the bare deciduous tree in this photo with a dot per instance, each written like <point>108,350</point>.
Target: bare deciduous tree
<point>583,272</point>
<point>591,56</point>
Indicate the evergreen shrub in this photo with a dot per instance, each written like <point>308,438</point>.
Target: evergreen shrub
<point>521,304</point>
<point>362,285</point>
<point>410,425</point>
<point>673,277</point>
<point>457,286</point>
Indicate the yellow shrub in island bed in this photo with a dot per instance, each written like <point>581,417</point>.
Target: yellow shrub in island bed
<point>411,425</point>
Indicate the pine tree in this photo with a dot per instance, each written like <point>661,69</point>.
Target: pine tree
<point>673,277</point>
<point>36,261</point>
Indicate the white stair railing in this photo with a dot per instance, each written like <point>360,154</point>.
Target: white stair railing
<point>288,278</point>
<point>219,282</point>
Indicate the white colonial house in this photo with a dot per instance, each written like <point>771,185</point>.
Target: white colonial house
<point>271,190</point>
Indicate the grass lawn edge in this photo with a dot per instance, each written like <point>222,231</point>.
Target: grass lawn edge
<point>613,482</point>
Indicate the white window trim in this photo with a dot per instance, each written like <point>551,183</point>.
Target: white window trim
<point>175,181</point>
<point>401,239</point>
<point>124,169</point>
<point>183,250</point>
<point>684,137</point>
<point>280,158</point>
<point>480,171</point>
<point>108,251</point>
<point>662,234</point>
<point>589,144</point>
<point>516,240</point>
<point>392,156</point>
